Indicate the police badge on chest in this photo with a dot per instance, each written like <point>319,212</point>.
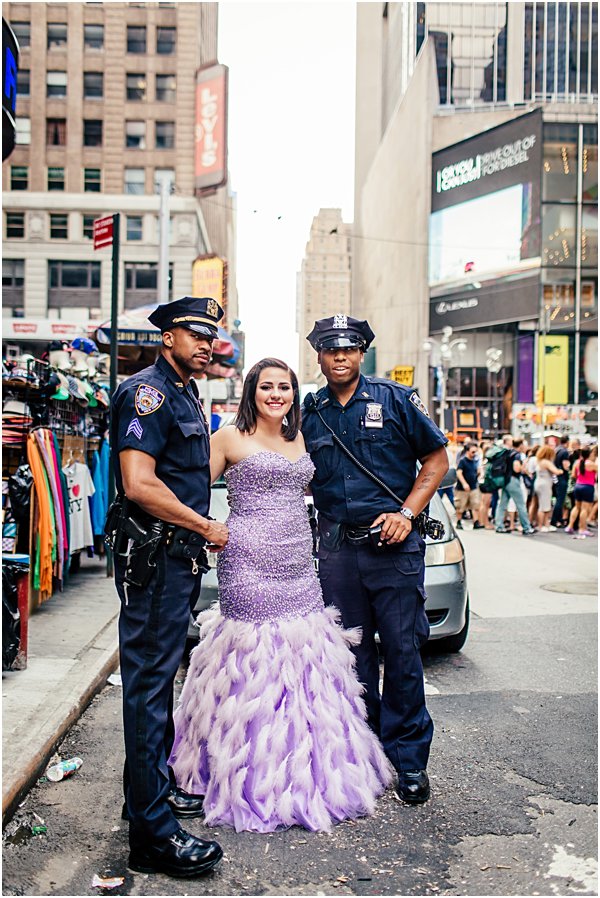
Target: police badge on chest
<point>374,415</point>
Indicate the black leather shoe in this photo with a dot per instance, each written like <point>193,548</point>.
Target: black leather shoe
<point>181,855</point>
<point>181,803</point>
<point>413,786</point>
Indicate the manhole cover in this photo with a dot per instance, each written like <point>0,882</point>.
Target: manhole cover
<point>573,588</point>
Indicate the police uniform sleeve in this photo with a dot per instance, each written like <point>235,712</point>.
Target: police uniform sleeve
<point>144,419</point>
<point>423,435</point>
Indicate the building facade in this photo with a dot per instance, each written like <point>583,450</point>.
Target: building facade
<point>105,113</point>
<point>324,284</point>
<point>476,206</point>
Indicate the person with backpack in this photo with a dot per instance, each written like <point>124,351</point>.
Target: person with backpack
<point>511,489</point>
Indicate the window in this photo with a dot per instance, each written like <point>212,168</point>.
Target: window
<point>558,236</point>
<point>93,84</point>
<point>13,272</point>
<point>15,225</point>
<point>56,178</point>
<point>19,177</point>
<point>134,227</point>
<point>136,87</point>
<point>57,35</point>
<point>590,163</point>
<point>141,279</point>
<point>165,88</point>
<point>560,162</point>
<point>56,84</point>
<point>56,132</point>
<point>23,83</point>
<point>93,37</point>
<point>165,135</point>
<point>59,227</point>
<point>589,237</point>
<point>165,40</point>
<point>74,275</point>
<point>92,132</point>
<point>88,226</point>
<point>135,180</point>
<point>92,180</point>
<point>161,173</point>
<point>135,135</point>
<point>22,32</point>
<point>136,39</point>
<point>22,130</point>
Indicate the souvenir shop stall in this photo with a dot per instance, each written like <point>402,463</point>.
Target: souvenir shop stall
<point>55,471</point>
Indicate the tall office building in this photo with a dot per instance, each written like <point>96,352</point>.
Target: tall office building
<point>106,110</point>
<point>476,206</point>
<point>324,283</point>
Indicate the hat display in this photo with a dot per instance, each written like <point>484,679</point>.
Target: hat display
<point>62,391</point>
<point>84,344</point>
<point>198,314</point>
<point>341,331</point>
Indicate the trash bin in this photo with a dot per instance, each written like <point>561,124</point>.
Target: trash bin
<point>15,611</point>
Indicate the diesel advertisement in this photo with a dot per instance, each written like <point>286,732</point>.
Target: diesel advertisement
<point>484,232</point>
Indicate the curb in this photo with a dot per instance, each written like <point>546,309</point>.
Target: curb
<point>15,787</point>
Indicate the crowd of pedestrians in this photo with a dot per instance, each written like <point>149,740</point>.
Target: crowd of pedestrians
<point>509,485</point>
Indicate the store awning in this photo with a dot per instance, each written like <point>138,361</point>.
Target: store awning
<point>42,329</point>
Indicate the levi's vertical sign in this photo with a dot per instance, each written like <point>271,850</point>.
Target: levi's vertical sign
<point>211,128</point>
<point>103,232</point>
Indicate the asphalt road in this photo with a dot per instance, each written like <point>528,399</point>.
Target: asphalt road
<point>513,768</point>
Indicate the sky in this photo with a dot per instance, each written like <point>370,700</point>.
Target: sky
<point>291,149</point>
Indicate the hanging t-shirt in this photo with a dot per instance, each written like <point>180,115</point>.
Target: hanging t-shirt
<point>81,487</point>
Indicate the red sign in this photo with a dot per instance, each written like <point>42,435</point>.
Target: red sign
<point>211,128</point>
<point>103,232</point>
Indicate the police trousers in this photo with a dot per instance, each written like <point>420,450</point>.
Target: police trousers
<point>384,593</point>
<point>152,630</point>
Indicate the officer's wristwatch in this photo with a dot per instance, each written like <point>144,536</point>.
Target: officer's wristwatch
<point>407,513</point>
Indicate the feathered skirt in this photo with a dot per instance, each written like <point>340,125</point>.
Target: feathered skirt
<point>270,726</point>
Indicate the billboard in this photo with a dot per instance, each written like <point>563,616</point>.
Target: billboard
<point>484,234</point>
<point>209,278</point>
<point>210,137</point>
<point>10,61</point>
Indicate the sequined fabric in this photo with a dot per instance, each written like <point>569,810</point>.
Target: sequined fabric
<point>266,570</point>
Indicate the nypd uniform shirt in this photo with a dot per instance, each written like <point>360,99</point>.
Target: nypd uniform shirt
<point>387,427</point>
<point>153,412</point>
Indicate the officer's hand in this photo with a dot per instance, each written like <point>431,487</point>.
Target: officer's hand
<point>216,535</point>
<point>395,527</point>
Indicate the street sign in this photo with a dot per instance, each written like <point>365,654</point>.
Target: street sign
<point>103,232</point>
<point>403,374</point>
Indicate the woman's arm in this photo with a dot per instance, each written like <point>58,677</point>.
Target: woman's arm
<point>218,453</point>
<point>550,466</point>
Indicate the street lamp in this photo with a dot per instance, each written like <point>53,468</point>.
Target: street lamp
<point>493,362</point>
<point>446,348</point>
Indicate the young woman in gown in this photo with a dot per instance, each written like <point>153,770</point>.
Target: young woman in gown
<point>270,726</point>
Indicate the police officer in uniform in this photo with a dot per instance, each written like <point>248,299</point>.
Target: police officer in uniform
<point>377,586</point>
<point>159,525</point>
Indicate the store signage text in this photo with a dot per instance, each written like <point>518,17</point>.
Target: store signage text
<point>211,127</point>
<point>483,164</point>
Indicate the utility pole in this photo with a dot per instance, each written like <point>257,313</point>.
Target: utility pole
<point>163,258</point>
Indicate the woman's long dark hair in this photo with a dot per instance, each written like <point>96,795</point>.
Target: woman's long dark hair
<point>245,420</point>
<point>583,455</point>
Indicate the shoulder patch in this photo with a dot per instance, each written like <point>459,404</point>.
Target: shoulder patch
<point>418,402</point>
<point>148,399</point>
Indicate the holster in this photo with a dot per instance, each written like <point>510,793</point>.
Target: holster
<point>331,535</point>
<point>183,543</point>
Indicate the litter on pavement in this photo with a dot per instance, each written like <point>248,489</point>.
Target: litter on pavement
<point>107,882</point>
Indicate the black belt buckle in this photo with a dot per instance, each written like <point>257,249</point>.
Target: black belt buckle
<point>357,536</point>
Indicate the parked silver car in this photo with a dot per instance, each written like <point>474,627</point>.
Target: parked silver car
<point>447,603</point>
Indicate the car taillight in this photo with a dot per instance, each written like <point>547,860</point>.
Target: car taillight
<point>450,552</point>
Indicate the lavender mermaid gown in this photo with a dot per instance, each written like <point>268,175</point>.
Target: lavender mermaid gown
<point>271,726</point>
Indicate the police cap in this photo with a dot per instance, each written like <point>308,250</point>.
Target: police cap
<point>340,331</point>
<point>198,314</point>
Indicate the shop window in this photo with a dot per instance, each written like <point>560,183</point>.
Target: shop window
<point>558,236</point>
<point>56,178</point>
<point>136,87</point>
<point>93,37</point>
<point>22,32</point>
<point>93,85</point>
<point>22,131</point>
<point>165,88</point>
<point>92,180</point>
<point>589,237</point>
<point>136,39</point>
<point>19,177</point>
<point>56,84</point>
<point>56,132</point>
<point>560,163</point>
<point>134,227</point>
<point>165,40</point>
<point>15,225</point>
<point>57,35</point>
<point>23,77</point>
<point>165,135</point>
<point>135,135</point>
<point>590,163</point>
<point>13,272</point>
<point>134,180</point>
<point>74,275</point>
<point>92,132</point>
<point>88,226</point>
<point>59,227</point>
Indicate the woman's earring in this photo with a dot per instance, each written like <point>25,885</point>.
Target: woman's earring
<point>284,422</point>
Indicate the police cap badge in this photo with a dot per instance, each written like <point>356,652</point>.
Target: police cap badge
<point>340,331</point>
<point>198,314</point>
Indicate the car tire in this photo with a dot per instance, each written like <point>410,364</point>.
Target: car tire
<point>451,644</point>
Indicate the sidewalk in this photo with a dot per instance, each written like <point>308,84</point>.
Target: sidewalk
<point>73,648</point>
